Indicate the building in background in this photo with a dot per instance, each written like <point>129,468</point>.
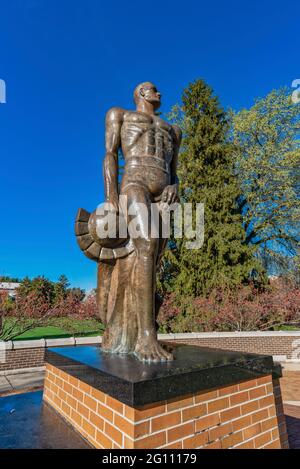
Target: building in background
<point>9,287</point>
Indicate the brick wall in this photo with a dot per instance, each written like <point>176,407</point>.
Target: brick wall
<point>285,345</point>
<point>246,415</point>
<point>16,355</point>
<point>23,358</point>
<point>263,345</point>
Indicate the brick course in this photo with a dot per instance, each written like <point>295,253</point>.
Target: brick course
<point>23,358</point>
<point>247,415</point>
<point>265,345</point>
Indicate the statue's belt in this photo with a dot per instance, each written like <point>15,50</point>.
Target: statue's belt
<point>149,161</point>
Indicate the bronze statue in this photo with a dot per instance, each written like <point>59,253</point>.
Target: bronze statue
<point>127,266</point>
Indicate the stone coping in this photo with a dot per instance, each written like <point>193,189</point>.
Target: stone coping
<point>136,384</point>
<point>44,343</point>
<point>211,335</point>
<point>23,371</point>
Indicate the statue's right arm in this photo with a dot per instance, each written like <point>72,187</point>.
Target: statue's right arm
<point>113,124</point>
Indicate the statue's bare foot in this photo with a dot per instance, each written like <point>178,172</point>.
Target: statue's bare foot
<point>121,349</point>
<point>149,350</point>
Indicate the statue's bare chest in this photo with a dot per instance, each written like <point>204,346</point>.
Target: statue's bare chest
<point>151,135</point>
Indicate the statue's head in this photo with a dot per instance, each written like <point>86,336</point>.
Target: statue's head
<point>147,92</point>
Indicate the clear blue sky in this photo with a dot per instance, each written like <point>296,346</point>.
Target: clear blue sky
<point>66,62</point>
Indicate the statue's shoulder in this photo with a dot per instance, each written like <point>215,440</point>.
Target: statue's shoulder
<point>115,114</point>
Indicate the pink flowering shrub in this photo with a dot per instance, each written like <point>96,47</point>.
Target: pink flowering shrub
<point>244,309</point>
<point>34,309</point>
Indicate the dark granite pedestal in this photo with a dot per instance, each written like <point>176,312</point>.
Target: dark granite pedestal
<point>135,383</point>
<point>200,399</point>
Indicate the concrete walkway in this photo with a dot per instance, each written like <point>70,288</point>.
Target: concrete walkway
<point>25,381</point>
<point>292,415</point>
<point>29,423</point>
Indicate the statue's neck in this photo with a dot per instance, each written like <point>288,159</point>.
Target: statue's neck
<point>145,107</point>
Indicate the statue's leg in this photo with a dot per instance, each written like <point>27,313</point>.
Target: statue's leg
<point>161,247</point>
<point>105,269</point>
<point>143,278</point>
<point>158,298</point>
<point>121,326</point>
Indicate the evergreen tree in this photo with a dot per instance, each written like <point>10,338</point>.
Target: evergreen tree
<point>206,175</point>
<point>6,278</point>
<point>61,288</point>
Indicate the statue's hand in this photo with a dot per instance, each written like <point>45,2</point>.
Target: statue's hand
<point>170,194</point>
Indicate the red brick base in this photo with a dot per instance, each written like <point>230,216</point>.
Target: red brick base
<point>245,415</point>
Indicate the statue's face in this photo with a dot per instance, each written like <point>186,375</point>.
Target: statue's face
<point>150,94</point>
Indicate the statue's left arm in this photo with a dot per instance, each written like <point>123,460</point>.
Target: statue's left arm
<point>170,194</point>
<point>177,142</point>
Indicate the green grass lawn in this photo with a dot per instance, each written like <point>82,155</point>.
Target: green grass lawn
<point>51,332</point>
<point>286,328</point>
<point>64,327</point>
